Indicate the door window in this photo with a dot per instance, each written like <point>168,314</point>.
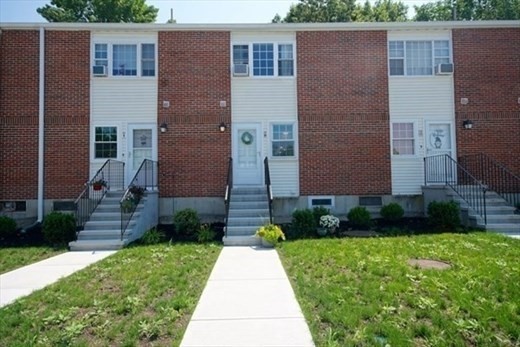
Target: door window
<point>142,149</point>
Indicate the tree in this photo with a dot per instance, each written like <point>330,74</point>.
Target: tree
<point>468,10</point>
<point>315,11</point>
<point>115,11</point>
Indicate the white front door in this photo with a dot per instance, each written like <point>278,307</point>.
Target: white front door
<point>142,140</point>
<point>439,140</point>
<point>247,154</point>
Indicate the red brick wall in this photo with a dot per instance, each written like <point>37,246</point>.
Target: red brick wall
<point>343,113</point>
<point>19,114</point>
<point>67,110</point>
<point>194,76</point>
<point>487,72</point>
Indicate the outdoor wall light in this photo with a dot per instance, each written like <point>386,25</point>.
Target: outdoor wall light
<point>222,127</point>
<point>163,127</point>
<point>468,124</point>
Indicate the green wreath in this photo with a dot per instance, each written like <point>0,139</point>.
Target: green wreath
<point>247,138</point>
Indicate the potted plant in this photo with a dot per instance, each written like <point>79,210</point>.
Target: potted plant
<point>137,193</point>
<point>328,224</point>
<point>270,234</point>
<point>99,184</point>
<point>127,205</point>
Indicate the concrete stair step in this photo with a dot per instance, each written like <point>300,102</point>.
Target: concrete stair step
<point>253,212</point>
<point>503,227</point>
<point>248,190</point>
<point>248,221</point>
<point>242,230</point>
<point>501,219</point>
<point>106,225</point>
<point>250,197</point>
<point>110,215</point>
<point>97,245</point>
<point>102,234</point>
<point>241,241</point>
<point>248,205</point>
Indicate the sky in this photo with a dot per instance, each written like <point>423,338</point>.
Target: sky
<point>184,11</point>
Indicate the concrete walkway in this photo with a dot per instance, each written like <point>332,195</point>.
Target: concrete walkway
<point>25,280</point>
<point>248,301</point>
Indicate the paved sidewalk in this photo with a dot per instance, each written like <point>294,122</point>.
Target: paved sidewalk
<point>248,301</point>
<point>25,280</point>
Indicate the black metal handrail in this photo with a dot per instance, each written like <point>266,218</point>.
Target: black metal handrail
<point>267,178</point>
<point>145,179</point>
<point>443,169</point>
<point>111,176</point>
<point>495,175</point>
<point>227,197</point>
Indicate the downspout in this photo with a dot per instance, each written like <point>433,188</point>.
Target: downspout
<point>41,125</point>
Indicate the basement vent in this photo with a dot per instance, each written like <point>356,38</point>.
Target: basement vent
<point>64,206</point>
<point>324,201</point>
<point>370,201</point>
<point>13,206</point>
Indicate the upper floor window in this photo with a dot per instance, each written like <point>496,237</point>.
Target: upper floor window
<point>268,59</point>
<point>125,59</point>
<point>417,58</point>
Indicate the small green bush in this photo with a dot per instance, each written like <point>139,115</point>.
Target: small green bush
<point>359,217</point>
<point>187,224</point>
<point>318,212</point>
<point>7,227</point>
<point>206,234</point>
<point>444,215</point>
<point>392,212</point>
<point>303,224</point>
<point>59,228</point>
<point>152,237</point>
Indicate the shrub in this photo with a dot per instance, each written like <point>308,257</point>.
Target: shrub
<point>392,212</point>
<point>443,215</point>
<point>59,228</point>
<point>271,233</point>
<point>206,234</point>
<point>152,237</point>
<point>187,223</point>
<point>318,212</point>
<point>7,227</point>
<point>359,217</point>
<point>303,223</point>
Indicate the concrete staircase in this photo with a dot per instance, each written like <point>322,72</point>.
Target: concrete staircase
<point>501,217</point>
<point>103,230</point>
<point>248,210</point>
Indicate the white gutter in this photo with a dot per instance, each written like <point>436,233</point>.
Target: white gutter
<point>41,124</point>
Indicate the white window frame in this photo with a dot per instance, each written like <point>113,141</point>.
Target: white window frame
<point>294,139</point>
<point>415,138</point>
<point>94,142</point>
<point>434,58</point>
<point>139,57</point>
<point>276,47</point>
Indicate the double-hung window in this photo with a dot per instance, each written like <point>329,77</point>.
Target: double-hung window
<point>101,54</point>
<point>417,58</point>
<point>147,59</point>
<point>403,138</point>
<point>105,142</point>
<point>267,59</point>
<point>283,143</point>
<point>126,59</point>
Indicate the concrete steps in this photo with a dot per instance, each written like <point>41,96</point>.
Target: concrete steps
<point>248,211</point>
<point>103,230</point>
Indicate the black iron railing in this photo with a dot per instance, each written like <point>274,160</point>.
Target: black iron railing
<point>495,175</point>
<point>227,197</point>
<point>443,169</point>
<point>267,178</point>
<point>145,179</point>
<point>111,176</point>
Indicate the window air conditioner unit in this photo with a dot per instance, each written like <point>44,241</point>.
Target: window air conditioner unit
<point>99,70</point>
<point>444,69</point>
<point>241,70</point>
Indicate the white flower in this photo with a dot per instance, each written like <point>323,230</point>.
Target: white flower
<point>329,221</point>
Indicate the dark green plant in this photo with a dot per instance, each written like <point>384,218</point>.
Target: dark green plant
<point>59,228</point>
<point>7,227</point>
<point>206,234</point>
<point>137,192</point>
<point>392,212</point>
<point>444,215</point>
<point>152,237</point>
<point>359,217</point>
<point>319,211</point>
<point>303,224</point>
<point>187,223</point>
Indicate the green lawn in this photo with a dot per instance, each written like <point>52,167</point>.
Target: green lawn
<point>141,296</point>
<point>362,292</point>
<point>15,257</point>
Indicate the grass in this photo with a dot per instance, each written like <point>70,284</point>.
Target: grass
<point>12,258</point>
<point>141,296</point>
<point>362,292</point>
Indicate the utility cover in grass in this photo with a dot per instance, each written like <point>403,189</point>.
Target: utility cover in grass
<point>429,264</point>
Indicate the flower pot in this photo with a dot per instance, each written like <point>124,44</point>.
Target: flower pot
<point>266,244</point>
<point>97,186</point>
<point>322,231</point>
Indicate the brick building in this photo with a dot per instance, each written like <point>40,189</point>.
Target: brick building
<point>344,112</point>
